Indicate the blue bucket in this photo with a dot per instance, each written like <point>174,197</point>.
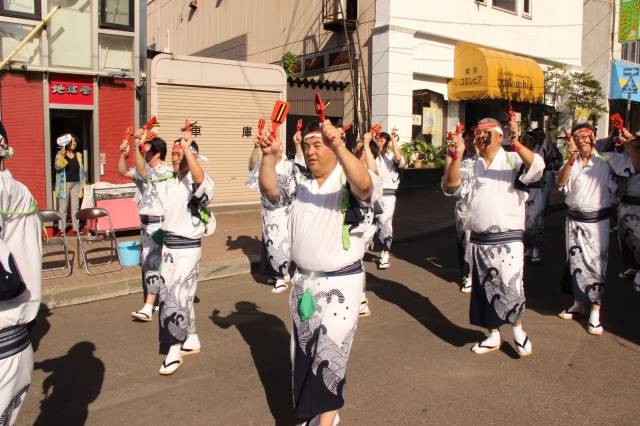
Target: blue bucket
<point>129,253</point>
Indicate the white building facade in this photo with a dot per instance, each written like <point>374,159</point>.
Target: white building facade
<point>420,49</point>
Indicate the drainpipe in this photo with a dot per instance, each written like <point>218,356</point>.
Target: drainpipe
<point>29,36</point>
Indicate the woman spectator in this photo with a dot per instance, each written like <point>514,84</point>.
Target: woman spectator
<point>70,175</point>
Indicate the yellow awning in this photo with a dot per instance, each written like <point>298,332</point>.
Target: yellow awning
<point>481,73</point>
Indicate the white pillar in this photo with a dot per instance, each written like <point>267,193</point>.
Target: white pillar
<point>392,82</point>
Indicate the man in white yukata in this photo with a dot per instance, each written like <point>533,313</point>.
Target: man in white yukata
<point>20,286</point>
<point>389,163</point>
<point>331,210</point>
<point>495,217</point>
<point>588,180</point>
<point>629,224</point>
<point>184,198</point>
<point>149,209</point>
<point>460,211</point>
<point>535,206</point>
<point>274,251</point>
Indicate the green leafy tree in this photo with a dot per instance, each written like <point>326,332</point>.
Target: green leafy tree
<point>289,61</point>
<point>573,91</point>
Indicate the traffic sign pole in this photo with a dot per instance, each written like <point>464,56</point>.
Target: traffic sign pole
<point>628,120</point>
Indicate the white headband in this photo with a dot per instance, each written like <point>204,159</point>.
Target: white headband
<point>312,135</point>
<point>197,154</point>
<point>495,127</point>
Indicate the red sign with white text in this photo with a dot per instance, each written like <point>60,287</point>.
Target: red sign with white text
<point>74,90</point>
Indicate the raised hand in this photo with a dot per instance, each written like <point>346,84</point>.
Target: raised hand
<point>330,135</point>
<point>124,147</point>
<point>270,144</point>
<point>297,138</point>
<point>185,143</point>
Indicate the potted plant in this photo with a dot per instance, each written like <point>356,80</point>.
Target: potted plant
<point>421,153</point>
<point>412,151</point>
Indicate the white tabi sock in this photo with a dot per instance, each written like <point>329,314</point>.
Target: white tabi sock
<point>518,333</point>
<point>192,342</point>
<point>536,253</point>
<point>174,354</point>
<point>594,317</point>
<point>147,309</point>
<point>493,339</point>
<point>636,282</point>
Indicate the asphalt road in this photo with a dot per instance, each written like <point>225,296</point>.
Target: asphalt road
<point>410,362</point>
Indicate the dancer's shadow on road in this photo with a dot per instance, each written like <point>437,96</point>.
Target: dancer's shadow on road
<point>74,383</point>
<point>425,312</point>
<point>40,329</point>
<point>269,341</point>
<point>250,246</point>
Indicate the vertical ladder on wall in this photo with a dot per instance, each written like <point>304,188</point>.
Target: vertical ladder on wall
<point>365,123</point>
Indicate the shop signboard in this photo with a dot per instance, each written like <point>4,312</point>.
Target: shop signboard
<point>629,21</point>
<point>71,90</point>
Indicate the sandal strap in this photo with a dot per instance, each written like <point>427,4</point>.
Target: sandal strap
<point>142,313</point>
<point>170,364</point>
<point>523,344</point>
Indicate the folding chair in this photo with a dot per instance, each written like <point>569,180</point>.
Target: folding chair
<point>54,216</point>
<point>91,216</point>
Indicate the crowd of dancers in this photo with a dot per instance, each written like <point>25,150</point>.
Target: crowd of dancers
<point>321,211</point>
<point>502,196</point>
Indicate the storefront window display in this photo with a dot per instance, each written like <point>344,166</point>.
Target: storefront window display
<point>430,106</point>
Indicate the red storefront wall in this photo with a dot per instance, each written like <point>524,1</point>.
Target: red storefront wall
<point>22,116</point>
<point>116,114</point>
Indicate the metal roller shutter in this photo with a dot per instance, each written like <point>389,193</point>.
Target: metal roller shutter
<point>222,113</point>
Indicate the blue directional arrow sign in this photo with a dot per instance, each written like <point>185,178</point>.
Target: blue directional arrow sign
<point>630,72</point>
<point>630,86</point>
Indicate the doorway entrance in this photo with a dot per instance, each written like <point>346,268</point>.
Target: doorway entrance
<point>77,122</point>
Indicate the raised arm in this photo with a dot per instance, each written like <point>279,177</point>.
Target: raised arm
<point>356,173</point>
<point>194,167</point>
<point>122,164</point>
<point>525,153</point>
<point>452,173</point>
<point>370,161</point>
<point>397,155</point>
<point>255,153</point>
<point>138,159</point>
<point>297,140</point>
<point>268,178</point>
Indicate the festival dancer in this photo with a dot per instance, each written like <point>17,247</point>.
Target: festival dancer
<point>184,196</point>
<point>629,223</point>
<point>331,209</point>
<point>588,180</point>
<point>495,217</point>
<point>20,286</point>
<point>389,163</point>
<point>535,206</point>
<point>149,209</point>
<point>367,152</point>
<point>461,209</point>
<point>274,251</point>
<point>549,153</point>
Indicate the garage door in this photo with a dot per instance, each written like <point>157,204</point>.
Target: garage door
<point>222,114</point>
